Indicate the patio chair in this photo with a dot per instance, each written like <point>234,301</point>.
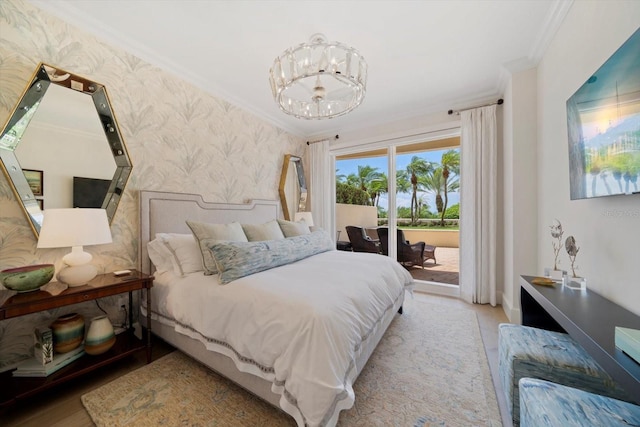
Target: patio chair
<point>383,234</point>
<point>360,242</point>
<point>408,253</point>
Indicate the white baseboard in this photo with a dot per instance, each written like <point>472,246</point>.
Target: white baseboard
<point>513,313</point>
<point>437,288</point>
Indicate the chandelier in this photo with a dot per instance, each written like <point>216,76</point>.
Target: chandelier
<point>318,79</point>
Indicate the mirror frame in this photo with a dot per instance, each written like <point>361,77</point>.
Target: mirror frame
<point>18,121</point>
<point>296,161</point>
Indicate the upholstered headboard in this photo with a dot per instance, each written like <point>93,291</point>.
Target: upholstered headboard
<point>162,212</point>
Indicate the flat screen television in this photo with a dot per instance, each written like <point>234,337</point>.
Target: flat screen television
<point>89,192</point>
<point>603,123</point>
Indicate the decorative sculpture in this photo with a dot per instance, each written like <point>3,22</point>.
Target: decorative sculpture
<point>572,250</point>
<point>556,233</point>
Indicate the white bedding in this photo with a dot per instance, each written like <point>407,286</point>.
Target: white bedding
<point>299,326</point>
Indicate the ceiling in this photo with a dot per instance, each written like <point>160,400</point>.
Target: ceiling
<point>423,56</point>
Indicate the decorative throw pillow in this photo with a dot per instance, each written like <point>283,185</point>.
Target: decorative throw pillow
<point>186,251</point>
<point>267,231</point>
<point>206,234</point>
<point>293,229</point>
<point>238,259</point>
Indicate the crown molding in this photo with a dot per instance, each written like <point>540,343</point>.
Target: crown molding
<point>550,27</point>
<point>552,23</point>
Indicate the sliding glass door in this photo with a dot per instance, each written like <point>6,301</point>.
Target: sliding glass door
<point>413,191</point>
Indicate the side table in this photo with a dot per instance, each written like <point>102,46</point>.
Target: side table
<point>103,285</point>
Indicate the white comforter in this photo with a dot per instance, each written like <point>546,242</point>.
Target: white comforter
<point>299,325</point>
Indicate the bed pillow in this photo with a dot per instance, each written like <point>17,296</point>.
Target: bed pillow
<point>259,232</point>
<point>161,257</point>
<point>238,259</point>
<point>293,229</point>
<point>206,234</point>
<point>185,250</point>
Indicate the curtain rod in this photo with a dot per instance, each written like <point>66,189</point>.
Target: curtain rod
<point>322,140</point>
<point>498,102</point>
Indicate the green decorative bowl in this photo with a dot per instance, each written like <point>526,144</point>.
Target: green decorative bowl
<point>27,279</point>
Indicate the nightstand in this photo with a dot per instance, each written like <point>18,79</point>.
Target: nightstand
<point>127,343</point>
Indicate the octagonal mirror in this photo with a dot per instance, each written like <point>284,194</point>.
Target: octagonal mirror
<point>62,147</point>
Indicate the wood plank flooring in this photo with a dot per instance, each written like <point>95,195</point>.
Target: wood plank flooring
<point>61,407</point>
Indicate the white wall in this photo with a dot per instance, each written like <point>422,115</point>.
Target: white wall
<point>361,216</point>
<point>606,229</point>
<point>520,188</point>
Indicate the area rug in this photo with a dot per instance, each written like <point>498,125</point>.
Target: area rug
<point>430,369</point>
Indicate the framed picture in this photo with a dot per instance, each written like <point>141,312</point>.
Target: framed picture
<point>41,204</point>
<point>34,179</point>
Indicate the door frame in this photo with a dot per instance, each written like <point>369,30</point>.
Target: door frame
<point>390,144</point>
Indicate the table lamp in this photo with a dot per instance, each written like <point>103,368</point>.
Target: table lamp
<point>306,216</point>
<point>75,228</point>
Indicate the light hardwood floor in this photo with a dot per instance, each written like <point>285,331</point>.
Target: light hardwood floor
<point>61,407</point>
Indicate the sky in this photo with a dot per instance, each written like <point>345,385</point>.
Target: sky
<point>347,167</point>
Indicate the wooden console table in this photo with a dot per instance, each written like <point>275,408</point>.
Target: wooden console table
<point>590,319</point>
<point>14,388</point>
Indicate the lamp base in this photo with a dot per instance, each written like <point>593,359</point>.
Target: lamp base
<point>77,275</point>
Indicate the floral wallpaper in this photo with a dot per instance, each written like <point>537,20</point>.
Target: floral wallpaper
<point>179,139</point>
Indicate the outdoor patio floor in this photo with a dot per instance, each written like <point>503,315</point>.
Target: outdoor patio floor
<point>447,269</point>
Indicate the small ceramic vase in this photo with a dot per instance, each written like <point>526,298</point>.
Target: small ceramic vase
<point>100,337</point>
<point>68,332</point>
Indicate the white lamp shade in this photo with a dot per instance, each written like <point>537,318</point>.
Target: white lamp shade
<point>306,216</point>
<point>63,228</point>
<point>75,228</point>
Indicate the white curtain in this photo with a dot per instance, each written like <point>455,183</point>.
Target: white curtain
<point>322,192</point>
<point>478,191</point>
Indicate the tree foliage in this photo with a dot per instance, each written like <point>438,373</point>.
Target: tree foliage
<point>453,212</point>
<point>450,165</point>
<point>351,195</point>
<point>432,183</point>
<point>420,175</point>
<point>416,167</point>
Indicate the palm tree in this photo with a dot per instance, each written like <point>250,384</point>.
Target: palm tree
<point>422,205</point>
<point>450,164</point>
<point>353,180</point>
<point>432,183</point>
<point>402,182</point>
<point>377,187</point>
<point>403,185</point>
<point>366,174</point>
<point>417,167</point>
<point>366,180</point>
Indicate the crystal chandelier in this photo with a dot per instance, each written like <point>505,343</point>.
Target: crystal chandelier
<point>318,79</point>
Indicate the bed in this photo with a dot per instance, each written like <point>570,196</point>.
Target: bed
<point>298,334</point>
